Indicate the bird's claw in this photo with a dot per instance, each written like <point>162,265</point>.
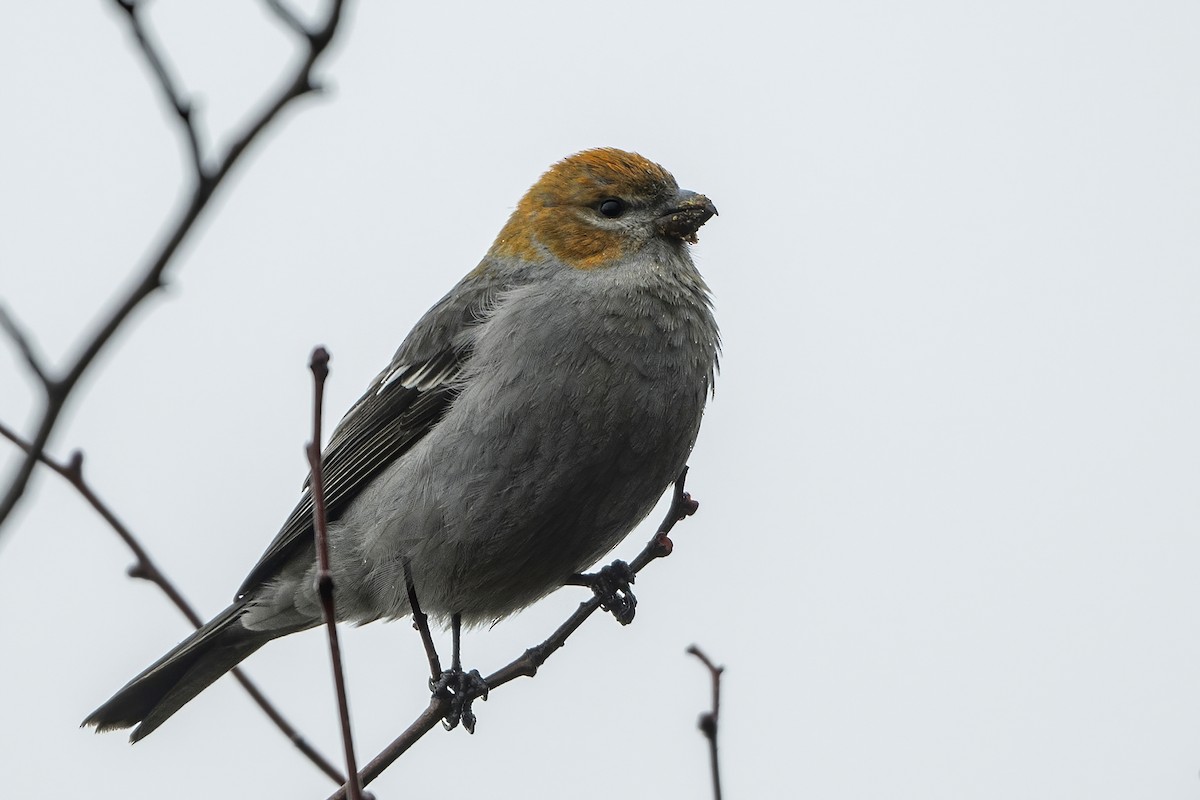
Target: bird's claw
<point>461,689</point>
<point>612,585</point>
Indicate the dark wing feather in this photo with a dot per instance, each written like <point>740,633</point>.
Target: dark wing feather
<point>395,413</point>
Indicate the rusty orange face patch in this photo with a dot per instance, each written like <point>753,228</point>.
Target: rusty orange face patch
<point>558,212</point>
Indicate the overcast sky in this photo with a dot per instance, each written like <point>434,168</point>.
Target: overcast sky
<point>948,544</point>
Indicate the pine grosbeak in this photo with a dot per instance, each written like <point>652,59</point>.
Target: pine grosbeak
<point>529,421</point>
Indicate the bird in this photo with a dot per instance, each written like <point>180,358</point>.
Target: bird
<point>528,422</point>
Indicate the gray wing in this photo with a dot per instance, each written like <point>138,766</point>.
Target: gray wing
<point>383,425</point>
<point>404,403</point>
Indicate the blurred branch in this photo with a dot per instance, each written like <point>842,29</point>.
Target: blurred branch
<point>206,180</point>
<point>319,364</point>
<point>527,664</point>
<point>147,570</point>
<point>287,17</point>
<point>24,347</point>
<point>710,719</point>
<point>171,93</point>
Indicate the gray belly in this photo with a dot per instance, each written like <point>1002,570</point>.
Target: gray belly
<point>545,461</point>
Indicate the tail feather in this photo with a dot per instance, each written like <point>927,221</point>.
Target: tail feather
<point>165,686</point>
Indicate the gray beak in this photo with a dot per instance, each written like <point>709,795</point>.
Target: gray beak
<point>690,212</point>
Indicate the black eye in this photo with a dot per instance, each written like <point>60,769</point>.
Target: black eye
<point>612,207</point>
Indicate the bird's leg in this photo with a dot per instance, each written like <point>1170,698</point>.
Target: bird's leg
<point>421,625</point>
<point>612,585</point>
<point>461,688</point>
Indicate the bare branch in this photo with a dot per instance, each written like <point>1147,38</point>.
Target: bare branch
<point>423,724</point>
<point>710,720</point>
<point>288,17</point>
<point>146,569</point>
<point>182,106</point>
<point>527,664</point>
<point>320,370</point>
<point>206,184</point>
<point>25,348</point>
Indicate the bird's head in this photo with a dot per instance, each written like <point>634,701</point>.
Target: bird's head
<point>594,208</point>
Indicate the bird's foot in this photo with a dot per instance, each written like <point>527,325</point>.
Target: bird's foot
<point>612,585</point>
<point>461,689</point>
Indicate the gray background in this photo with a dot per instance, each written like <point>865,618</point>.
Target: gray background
<point>948,540</point>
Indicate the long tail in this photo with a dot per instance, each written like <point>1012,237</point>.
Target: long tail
<point>166,685</point>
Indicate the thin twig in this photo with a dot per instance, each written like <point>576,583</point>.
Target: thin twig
<point>146,569</point>
<point>182,106</point>
<point>58,390</point>
<point>25,348</point>
<point>527,664</point>
<point>320,370</point>
<point>288,17</point>
<point>710,720</point>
